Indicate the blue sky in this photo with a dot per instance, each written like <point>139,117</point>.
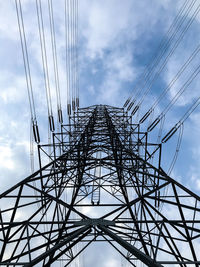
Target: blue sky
<point>116,41</point>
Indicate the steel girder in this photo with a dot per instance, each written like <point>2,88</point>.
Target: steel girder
<point>99,162</point>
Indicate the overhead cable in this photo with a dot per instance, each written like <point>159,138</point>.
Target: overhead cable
<point>73,48</point>
<point>179,125</point>
<point>165,42</point>
<point>76,60</point>
<point>73,54</point>
<point>172,82</point>
<point>169,55</point>
<point>71,40</point>
<point>175,98</point>
<point>55,60</point>
<point>67,57</point>
<point>45,63</point>
<point>181,121</point>
<point>27,69</point>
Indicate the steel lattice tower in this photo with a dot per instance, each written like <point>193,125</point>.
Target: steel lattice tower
<point>101,161</point>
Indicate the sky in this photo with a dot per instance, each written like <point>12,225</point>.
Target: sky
<point>117,39</point>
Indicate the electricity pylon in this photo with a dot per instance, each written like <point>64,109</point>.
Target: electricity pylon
<point>101,162</point>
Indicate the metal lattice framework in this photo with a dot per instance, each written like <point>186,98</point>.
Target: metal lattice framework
<point>100,162</point>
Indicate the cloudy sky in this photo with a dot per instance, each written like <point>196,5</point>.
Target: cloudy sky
<point>117,40</point>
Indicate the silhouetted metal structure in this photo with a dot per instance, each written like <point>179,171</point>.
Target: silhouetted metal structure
<point>99,162</point>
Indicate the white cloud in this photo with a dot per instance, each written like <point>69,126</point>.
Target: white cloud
<point>6,158</point>
<point>101,28</point>
<point>109,34</point>
<point>120,64</point>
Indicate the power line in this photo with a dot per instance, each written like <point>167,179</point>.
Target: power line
<point>77,71</point>
<point>167,58</point>
<point>174,129</point>
<point>172,82</point>
<point>73,54</point>
<point>25,58</point>
<point>71,38</point>
<point>175,98</point>
<point>27,70</point>
<point>45,63</point>
<point>181,121</point>
<point>177,42</point>
<point>171,52</point>
<point>165,42</point>
<point>55,61</point>
<point>67,62</point>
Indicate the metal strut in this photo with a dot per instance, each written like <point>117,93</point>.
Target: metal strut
<point>136,252</point>
<point>101,162</point>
